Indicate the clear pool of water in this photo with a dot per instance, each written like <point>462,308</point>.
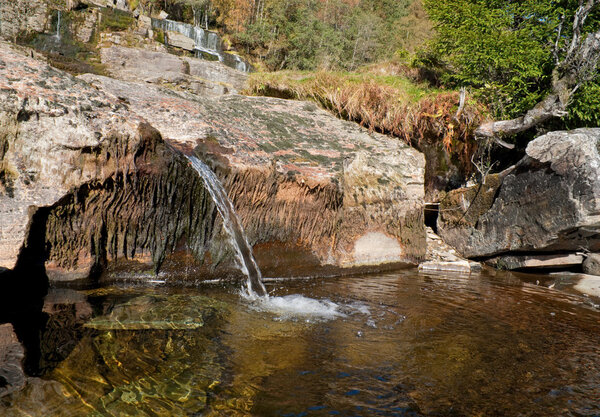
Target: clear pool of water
<point>401,344</point>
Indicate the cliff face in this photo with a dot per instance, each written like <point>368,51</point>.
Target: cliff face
<point>84,181</point>
<point>88,185</point>
<point>301,179</point>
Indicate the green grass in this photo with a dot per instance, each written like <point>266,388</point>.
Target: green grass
<point>114,20</point>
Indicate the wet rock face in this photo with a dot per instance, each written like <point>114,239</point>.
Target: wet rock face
<point>88,186</point>
<point>297,175</point>
<point>549,202</point>
<point>84,182</point>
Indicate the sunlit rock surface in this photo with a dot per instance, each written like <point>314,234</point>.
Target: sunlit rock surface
<point>88,185</point>
<point>84,181</point>
<point>190,74</point>
<point>22,16</point>
<point>300,179</point>
<point>549,202</point>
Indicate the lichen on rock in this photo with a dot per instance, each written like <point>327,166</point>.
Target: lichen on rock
<point>89,186</point>
<point>549,202</point>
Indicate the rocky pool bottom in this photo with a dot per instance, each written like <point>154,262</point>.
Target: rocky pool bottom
<point>401,344</point>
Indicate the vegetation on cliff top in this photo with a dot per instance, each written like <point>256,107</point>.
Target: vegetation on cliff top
<point>383,98</point>
<point>308,34</point>
<point>514,55</point>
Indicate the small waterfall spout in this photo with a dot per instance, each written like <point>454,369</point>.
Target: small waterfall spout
<point>233,227</point>
<point>58,27</point>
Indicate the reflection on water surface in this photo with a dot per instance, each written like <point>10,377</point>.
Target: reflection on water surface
<point>403,344</point>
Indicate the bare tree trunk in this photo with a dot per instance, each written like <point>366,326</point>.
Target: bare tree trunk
<point>579,65</point>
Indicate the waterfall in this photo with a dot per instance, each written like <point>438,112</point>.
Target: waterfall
<point>205,42</point>
<point>234,228</point>
<point>58,27</point>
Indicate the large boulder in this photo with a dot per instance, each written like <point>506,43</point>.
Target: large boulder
<point>312,190</point>
<point>549,202</point>
<point>23,16</point>
<point>87,185</point>
<point>189,74</point>
<point>84,181</point>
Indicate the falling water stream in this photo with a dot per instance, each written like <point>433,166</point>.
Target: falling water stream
<point>205,42</point>
<point>58,27</point>
<point>234,228</point>
<point>292,305</point>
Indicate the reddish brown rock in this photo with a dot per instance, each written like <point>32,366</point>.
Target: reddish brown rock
<point>296,174</point>
<point>87,185</point>
<point>85,182</point>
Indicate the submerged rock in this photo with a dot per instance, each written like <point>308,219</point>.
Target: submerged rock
<point>12,377</point>
<point>153,312</point>
<point>549,202</point>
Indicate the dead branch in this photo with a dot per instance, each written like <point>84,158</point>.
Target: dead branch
<point>579,65</point>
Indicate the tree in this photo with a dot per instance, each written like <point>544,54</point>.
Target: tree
<point>528,57</point>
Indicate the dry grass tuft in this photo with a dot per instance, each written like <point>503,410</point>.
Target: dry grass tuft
<point>385,103</point>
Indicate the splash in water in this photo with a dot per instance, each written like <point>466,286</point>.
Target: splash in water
<point>233,227</point>
<point>287,307</point>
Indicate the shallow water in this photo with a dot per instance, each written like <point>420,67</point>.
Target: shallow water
<point>402,344</point>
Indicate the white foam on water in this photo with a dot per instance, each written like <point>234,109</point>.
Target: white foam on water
<point>299,307</point>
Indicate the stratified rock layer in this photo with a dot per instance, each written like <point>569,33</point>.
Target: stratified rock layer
<point>87,185</point>
<point>302,181</point>
<point>549,202</point>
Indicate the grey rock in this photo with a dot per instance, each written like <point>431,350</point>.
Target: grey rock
<point>591,264</point>
<point>557,261</point>
<point>178,40</point>
<point>548,202</point>
<point>188,74</point>
<point>22,16</point>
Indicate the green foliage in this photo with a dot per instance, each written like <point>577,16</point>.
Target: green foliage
<point>502,49</point>
<point>114,20</point>
<point>309,34</point>
<point>584,110</point>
